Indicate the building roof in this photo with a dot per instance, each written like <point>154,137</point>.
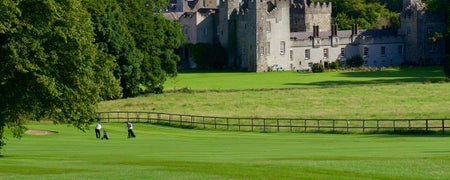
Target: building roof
<point>345,33</point>
<point>175,16</point>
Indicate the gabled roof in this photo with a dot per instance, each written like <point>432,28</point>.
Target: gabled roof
<point>345,33</point>
<point>175,16</point>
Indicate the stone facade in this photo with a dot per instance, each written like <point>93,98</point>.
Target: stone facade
<point>262,35</point>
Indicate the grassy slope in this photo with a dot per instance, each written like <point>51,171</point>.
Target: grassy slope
<point>168,153</point>
<point>394,93</point>
<point>290,79</point>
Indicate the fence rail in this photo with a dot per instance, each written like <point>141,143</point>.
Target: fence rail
<point>281,124</point>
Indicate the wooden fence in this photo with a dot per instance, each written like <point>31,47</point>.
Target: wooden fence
<point>281,124</point>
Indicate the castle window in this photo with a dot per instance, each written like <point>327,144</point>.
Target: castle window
<point>282,47</point>
<point>325,53</point>
<point>383,51</point>
<point>310,64</point>
<point>205,31</point>
<point>268,26</point>
<point>262,50</point>
<point>268,48</point>
<point>400,50</point>
<point>342,52</point>
<point>366,51</point>
<point>291,55</point>
<point>307,54</point>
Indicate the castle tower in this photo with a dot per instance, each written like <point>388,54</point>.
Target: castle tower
<point>417,26</point>
<point>194,5</point>
<point>227,28</point>
<point>304,17</point>
<point>264,36</point>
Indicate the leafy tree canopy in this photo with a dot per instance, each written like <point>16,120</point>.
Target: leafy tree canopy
<point>50,67</point>
<point>367,13</point>
<point>157,38</point>
<point>441,6</point>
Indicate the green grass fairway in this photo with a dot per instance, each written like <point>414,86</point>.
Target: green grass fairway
<point>391,94</point>
<point>171,153</point>
<point>218,81</point>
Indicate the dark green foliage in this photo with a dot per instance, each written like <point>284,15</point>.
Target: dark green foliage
<point>447,65</point>
<point>114,37</point>
<point>208,56</point>
<point>443,7</point>
<point>317,68</point>
<point>49,65</point>
<point>335,65</point>
<point>156,38</point>
<point>368,14</point>
<point>355,61</point>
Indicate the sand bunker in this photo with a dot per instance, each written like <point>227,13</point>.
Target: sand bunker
<point>39,132</point>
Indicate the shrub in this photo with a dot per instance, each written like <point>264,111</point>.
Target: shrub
<point>447,65</point>
<point>335,65</point>
<point>208,56</point>
<point>355,61</point>
<point>317,68</point>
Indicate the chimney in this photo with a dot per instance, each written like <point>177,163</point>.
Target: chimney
<point>355,29</point>
<point>334,28</point>
<point>315,31</point>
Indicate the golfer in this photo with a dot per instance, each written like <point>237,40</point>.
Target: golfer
<point>97,130</point>
<point>130,130</point>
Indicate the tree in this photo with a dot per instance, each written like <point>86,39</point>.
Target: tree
<point>209,56</point>
<point>157,39</point>
<point>443,7</point>
<point>50,67</point>
<point>114,38</point>
<point>368,14</point>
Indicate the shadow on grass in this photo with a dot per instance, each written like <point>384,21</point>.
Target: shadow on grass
<point>375,81</point>
<point>390,76</point>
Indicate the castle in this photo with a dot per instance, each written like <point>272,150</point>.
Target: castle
<point>262,35</point>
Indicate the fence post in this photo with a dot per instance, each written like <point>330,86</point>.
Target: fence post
<point>378,125</point>
<point>443,126</point>
<point>227,124</point>
<point>334,124</point>
<point>426,121</point>
<point>108,117</point>
<point>348,122</point>
<point>264,120</point>
<point>318,125</point>
<point>128,116</point>
<point>364,126</point>
<point>239,124</point>
<point>409,124</point>
<point>159,117</point>
<point>393,124</point>
<point>192,121</point>
<point>204,125</point>
<point>305,125</point>
<point>118,117</point>
<point>215,123</point>
<point>252,124</point>
<point>278,125</point>
<point>290,124</point>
